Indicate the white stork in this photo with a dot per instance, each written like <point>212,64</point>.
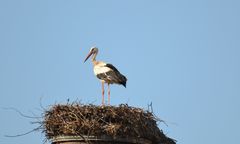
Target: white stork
<point>107,73</point>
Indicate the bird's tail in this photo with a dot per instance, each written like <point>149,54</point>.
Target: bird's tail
<point>123,80</point>
<point>124,84</point>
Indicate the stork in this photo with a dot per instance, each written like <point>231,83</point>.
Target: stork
<point>106,72</point>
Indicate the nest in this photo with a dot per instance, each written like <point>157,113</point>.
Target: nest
<point>121,121</point>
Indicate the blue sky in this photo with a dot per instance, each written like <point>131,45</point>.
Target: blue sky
<point>181,55</point>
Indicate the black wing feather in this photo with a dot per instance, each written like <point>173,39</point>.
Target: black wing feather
<point>117,76</point>
<point>112,67</point>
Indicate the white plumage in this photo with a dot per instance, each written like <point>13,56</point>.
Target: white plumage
<point>100,68</point>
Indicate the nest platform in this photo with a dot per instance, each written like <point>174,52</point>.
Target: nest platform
<point>82,124</point>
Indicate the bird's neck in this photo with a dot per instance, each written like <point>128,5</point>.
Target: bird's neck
<point>95,62</point>
<point>94,58</point>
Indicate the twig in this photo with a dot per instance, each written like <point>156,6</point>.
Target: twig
<point>36,129</point>
<point>20,113</point>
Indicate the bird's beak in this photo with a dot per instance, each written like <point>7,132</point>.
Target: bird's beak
<point>90,53</point>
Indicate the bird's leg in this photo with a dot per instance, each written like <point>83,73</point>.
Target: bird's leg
<point>102,93</point>
<point>108,94</point>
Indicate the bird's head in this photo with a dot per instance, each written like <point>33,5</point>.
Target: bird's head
<point>93,51</point>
